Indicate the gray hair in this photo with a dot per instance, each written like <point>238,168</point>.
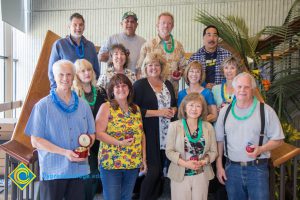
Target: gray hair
<point>58,64</point>
<point>253,82</point>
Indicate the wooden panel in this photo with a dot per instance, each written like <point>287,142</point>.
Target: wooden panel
<point>20,146</point>
<point>284,153</point>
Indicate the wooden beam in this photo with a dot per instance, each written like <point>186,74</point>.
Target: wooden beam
<point>38,89</point>
<point>10,105</point>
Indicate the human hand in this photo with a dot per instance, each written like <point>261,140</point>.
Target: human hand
<point>144,168</point>
<point>192,164</point>
<point>209,85</point>
<point>202,162</point>
<point>126,142</point>
<point>221,175</point>
<point>257,150</point>
<point>167,113</point>
<point>73,157</point>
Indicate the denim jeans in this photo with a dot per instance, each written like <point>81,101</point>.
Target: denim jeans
<point>118,184</point>
<point>247,182</point>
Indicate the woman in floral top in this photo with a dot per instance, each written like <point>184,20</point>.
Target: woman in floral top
<point>156,98</point>
<point>191,147</point>
<point>119,60</point>
<point>122,149</point>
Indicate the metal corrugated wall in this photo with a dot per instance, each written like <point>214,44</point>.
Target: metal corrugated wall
<point>103,18</point>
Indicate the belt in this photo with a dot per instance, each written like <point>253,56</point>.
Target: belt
<point>250,163</point>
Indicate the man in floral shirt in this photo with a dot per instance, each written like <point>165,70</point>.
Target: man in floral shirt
<point>168,47</point>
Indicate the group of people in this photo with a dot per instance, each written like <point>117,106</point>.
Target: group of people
<point>138,122</point>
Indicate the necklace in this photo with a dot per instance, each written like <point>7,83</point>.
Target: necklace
<point>126,114</point>
<point>166,46</point>
<point>225,98</point>
<point>63,107</point>
<point>248,114</point>
<point>77,50</point>
<point>94,97</point>
<point>187,132</point>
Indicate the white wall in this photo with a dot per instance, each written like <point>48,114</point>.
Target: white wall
<point>103,18</point>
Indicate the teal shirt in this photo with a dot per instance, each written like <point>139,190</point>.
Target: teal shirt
<point>216,90</point>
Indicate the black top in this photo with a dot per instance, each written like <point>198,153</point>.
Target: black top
<point>101,98</point>
<point>210,70</point>
<point>145,98</point>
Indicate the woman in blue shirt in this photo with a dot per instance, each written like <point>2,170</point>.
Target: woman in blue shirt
<point>194,76</point>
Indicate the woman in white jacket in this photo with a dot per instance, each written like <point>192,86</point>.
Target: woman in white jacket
<point>191,147</point>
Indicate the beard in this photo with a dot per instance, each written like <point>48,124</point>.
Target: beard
<point>76,36</point>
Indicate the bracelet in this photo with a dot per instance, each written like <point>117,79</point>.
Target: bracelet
<point>118,143</point>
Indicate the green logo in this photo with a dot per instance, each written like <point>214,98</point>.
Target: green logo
<point>22,176</point>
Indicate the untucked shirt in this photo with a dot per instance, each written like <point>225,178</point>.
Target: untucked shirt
<point>62,129</point>
<point>119,125</point>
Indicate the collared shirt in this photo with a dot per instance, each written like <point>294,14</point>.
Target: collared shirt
<point>65,49</point>
<point>110,71</point>
<point>133,44</point>
<point>240,132</point>
<point>222,54</point>
<point>174,60</point>
<point>62,129</point>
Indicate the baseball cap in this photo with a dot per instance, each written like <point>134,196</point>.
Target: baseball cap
<point>128,14</point>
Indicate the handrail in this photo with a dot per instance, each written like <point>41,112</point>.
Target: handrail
<point>279,157</point>
<point>10,105</point>
<point>283,153</point>
<point>38,89</point>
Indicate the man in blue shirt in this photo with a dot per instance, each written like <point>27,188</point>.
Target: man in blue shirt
<point>55,124</point>
<point>211,56</point>
<point>74,46</point>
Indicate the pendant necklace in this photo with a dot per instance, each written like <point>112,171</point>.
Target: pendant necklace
<point>226,98</point>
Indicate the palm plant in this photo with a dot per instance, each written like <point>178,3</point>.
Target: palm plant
<point>283,73</point>
<point>235,33</point>
<point>284,41</point>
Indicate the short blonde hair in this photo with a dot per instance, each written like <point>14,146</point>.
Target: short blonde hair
<point>194,96</point>
<point>231,61</point>
<point>194,65</point>
<point>81,64</point>
<point>152,57</point>
<point>165,14</point>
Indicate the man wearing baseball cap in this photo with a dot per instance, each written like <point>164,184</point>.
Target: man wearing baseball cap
<point>128,38</point>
